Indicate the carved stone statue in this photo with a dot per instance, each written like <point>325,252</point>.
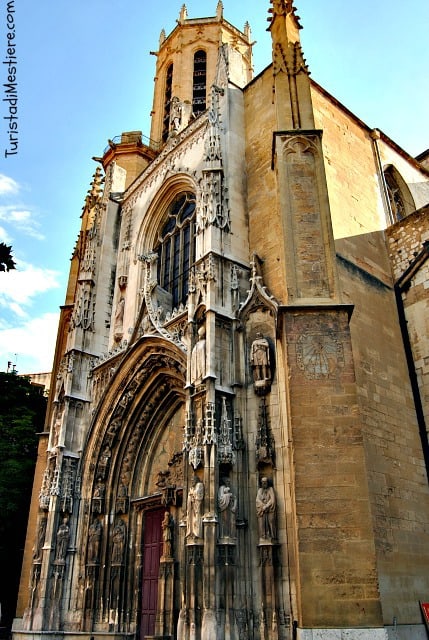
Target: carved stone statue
<point>118,537</point>
<point>194,527</point>
<point>63,535</point>
<point>266,507</point>
<point>260,358</point>
<point>175,114</point>
<point>122,499</point>
<point>104,462</point>
<point>40,539</point>
<point>98,497</point>
<point>198,358</point>
<point>227,505</point>
<point>94,538</point>
<point>167,535</point>
<point>119,316</point>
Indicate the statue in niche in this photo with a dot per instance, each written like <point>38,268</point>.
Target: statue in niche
<point>99,490</point>
<point>167,535</point>
<point>104,462</point>
<point>118,537</point>
<point>63,535</point>
<point>98,497</point>
<point>227,504</point>
<point>260,362</point>
<point>194,528</point>
<point>260,358</point>
<point>122,499</point>
<point>119,319</point>
<point>94,538</point>
<point>175,114</point>
<point>266,507</point>
<point>40,539</point>
<point>198,357</point>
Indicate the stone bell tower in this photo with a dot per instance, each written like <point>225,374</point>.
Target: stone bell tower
<point>186,67</point>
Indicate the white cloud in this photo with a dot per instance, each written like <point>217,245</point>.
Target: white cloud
<point>20,286</point>
<point>4,236</point>
<point>8,186</point>
<point>22,218</point>
<point>30,345</point>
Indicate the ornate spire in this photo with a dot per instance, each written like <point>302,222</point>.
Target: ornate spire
<point>291,87</point>
<point>219,10</point>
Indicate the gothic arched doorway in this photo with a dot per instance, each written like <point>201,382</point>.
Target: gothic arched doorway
<point>152,546</point>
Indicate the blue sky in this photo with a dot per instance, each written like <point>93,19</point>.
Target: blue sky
<point>85,74</point>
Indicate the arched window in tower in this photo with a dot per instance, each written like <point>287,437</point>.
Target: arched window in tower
<point>199,82</point>
<point>167,102</point>
<point>400,198</point>
<point>176,247</point>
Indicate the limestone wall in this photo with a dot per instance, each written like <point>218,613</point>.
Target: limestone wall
<point>396,473</point>
<point>408,246</point>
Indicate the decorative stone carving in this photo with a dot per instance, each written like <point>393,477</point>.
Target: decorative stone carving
<point>258,297</point>
<point>67,484</point>
<point>175,115</point>
<point>209,424</point>
<point>261,364</point>
<point>98,497</point>
<point>227,505</point>
<point>104,463</point>
<point>265,446</point>
<point>198,358</point>
<point>45,491</point>
<point>62,541</point>
<point>266,507</point>
<point>118,539</point>
<point>94,539</point>
<point>194,528</point>
<point>122,499</point>
<point>119,319</point>
<point>167,535</point>
<point>225,452</point>
<point>40,538</point>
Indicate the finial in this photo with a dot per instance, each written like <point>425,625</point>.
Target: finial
<point>219,10</point>
<point>162,37</point>
<point>97,179</point>
<point>283,8</point>
<point>183,14</point>
<point>247,31</point>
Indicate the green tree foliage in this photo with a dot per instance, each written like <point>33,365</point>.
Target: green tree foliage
<point>22,411</point>
<point>6,261</point>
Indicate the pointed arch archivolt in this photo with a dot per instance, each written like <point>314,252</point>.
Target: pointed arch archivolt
<point>143,405</point>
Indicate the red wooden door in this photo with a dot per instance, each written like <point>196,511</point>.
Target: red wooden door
<point>152,551</point>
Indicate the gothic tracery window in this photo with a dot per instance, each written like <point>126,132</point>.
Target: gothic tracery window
<point>400,198</point>
<point>199,82</point>
<point>176,247</point>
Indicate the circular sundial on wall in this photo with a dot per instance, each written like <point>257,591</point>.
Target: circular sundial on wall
<point>319,355</point>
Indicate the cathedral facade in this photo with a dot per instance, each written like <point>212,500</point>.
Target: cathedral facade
<point>235,445</point>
